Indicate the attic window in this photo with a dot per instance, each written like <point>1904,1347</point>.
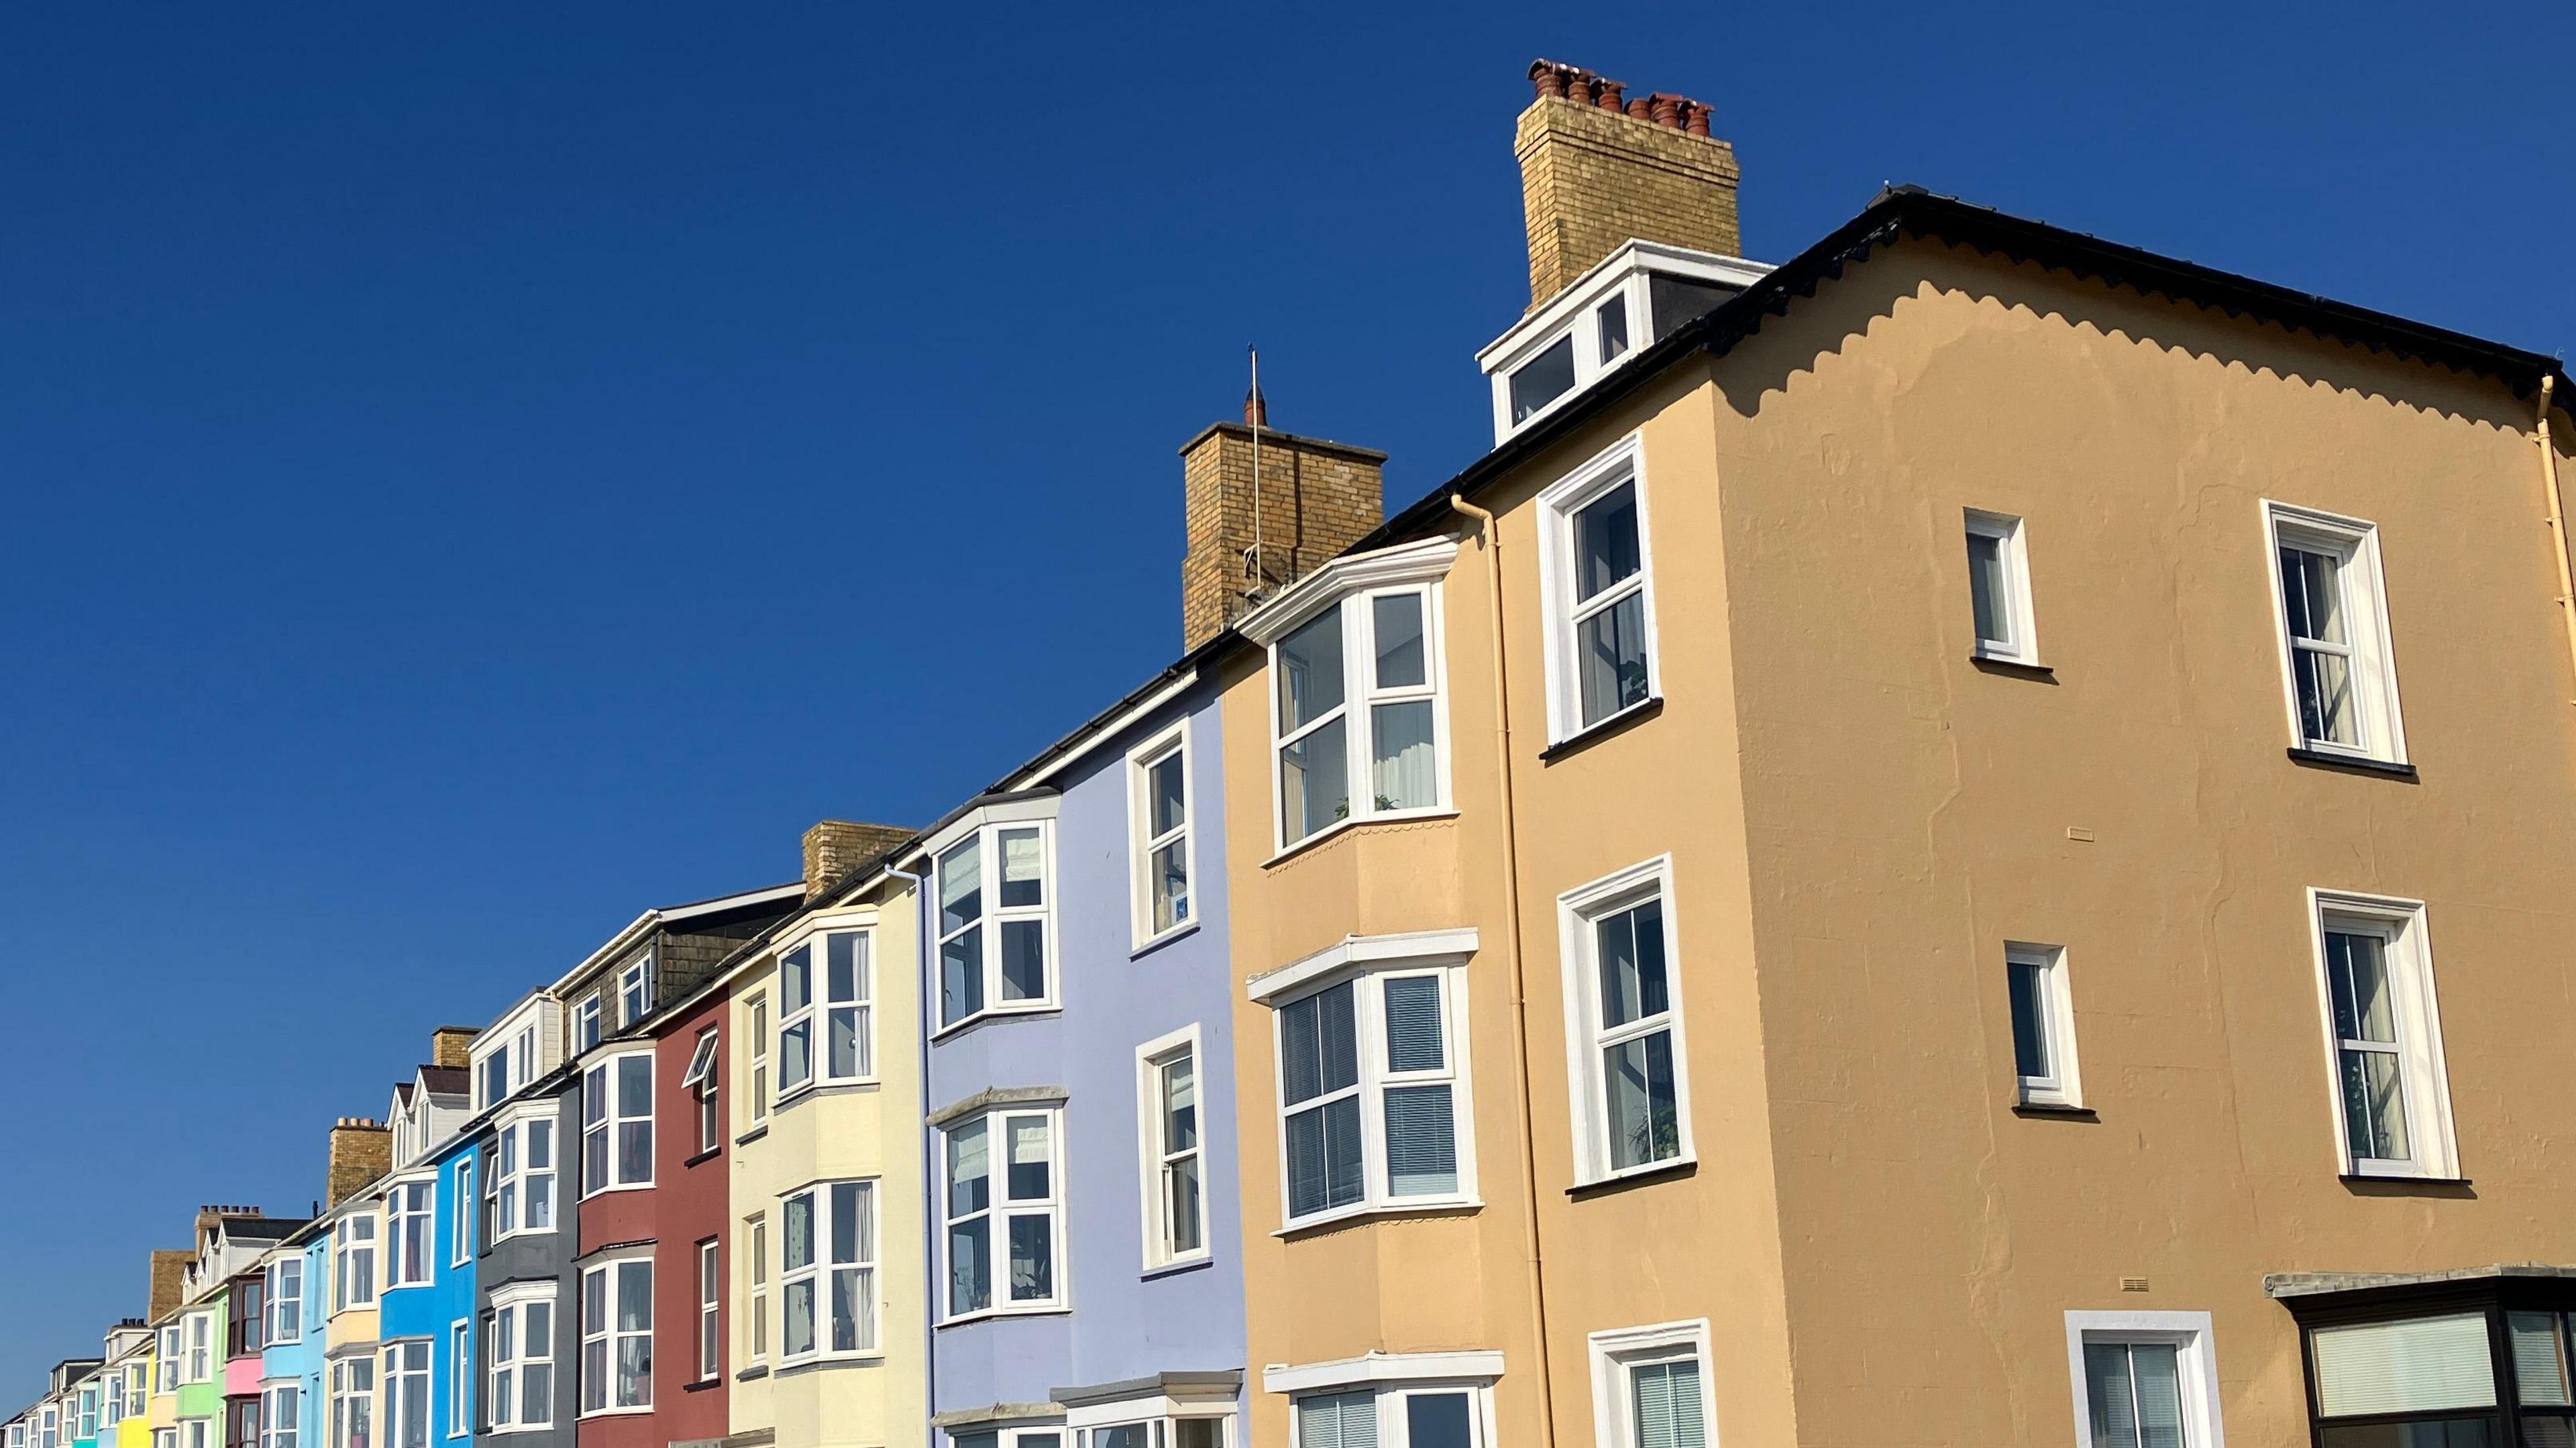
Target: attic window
<point>1543,379</point>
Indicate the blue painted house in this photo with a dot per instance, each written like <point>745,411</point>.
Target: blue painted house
<point>292,1276</point>
<point>1076,989</point>
<point>425,1323</point>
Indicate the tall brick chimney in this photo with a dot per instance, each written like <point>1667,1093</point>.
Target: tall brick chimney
<point>1316,499</point>
<point>452,1046</point>
<point>361,1151</point>
<point>169,1281</point>
<point>833,848</point>
<point>1599,169</point>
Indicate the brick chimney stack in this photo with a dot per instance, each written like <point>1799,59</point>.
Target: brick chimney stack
<point>833,848</point>
<point>1316,499</point>
<point>1599,169</point>
<point>169,1281</point>
<point>452,1046</point>
<point>361,1151</point>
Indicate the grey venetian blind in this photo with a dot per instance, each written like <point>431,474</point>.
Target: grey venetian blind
<point>1666,1403</point>
<point>1337,1420</point>
<point>2425,1365</point>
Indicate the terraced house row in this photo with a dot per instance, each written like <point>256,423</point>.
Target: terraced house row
<point>1862,877</point>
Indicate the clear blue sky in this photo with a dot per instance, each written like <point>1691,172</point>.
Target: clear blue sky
<point>473,472</point>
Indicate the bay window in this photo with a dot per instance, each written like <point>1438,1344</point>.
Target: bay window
<point>519,1192</point>
<point>826,1000</point>
<point>617,1123</point>
<point>996,922</point>
<point>408,1226</point>
<point>518,1357</point>
<point>1357,714</point>
<point>617,1336</point>
<point>1004,1209</point>
<point>828,1271</point>
<point>1393,1400</point>
<point>407,1394</point>
<point>353,1261</point>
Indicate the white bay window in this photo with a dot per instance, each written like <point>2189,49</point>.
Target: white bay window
<point>1004,1210</point>
<point>617,1336</point>
<point>1390,1400</point>
<point>617,1123</point>
<point>518,1355</point>
<point>828,1271</point>
<point>826,1000</point>
<point>996,922</point>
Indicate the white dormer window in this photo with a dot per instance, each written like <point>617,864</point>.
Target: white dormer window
<point>1634,297</point>
<point>634,993</point>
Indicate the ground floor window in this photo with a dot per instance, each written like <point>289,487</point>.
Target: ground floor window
<point>2144,1380</point>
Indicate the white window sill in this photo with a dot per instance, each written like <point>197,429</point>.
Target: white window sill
<point>1148,947</point>
<point>516,1428</point>
<point>589,1413</point>
<point>2383,1171</point>
<point>810,1363</point>
<point>997,1013</point>
<point>516,1233</point>
<point>1393,1207</point>
<point>807,1090</point>
<point>1337,827</point>
<point>1606,724</point>
<point>1682,1161</point>
<point>1176,1266</point>
<point>991,1313</point>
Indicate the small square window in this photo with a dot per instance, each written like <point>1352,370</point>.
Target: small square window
<point>1543,379</point>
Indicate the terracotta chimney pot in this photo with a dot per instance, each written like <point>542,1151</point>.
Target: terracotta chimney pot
<point>1613,96</point>
<point>1667,110</point>
<point>1549,77</point>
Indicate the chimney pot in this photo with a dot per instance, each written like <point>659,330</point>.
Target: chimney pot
<point>1549,78</point>
<point>1613,93</point>
<point>1590,182</point>
<point>1256,409</point>
<point>1668,110</point>
<point>1641,109</point>
<point>1695,118</point>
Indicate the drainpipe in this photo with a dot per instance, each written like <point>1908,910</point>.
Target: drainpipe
<point>1490,539</point>
<point>929,1244</point>
<point>2557,512</point>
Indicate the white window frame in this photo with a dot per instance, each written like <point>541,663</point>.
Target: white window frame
<point>635,992</point>
<point>1052,1433</point>
<point>513,1174</point>
<point>817,1272</point>
<point>201,1348</point>
<point>281,1409</point>
<point>165,1438</point>
<point>710,1310</point>
<point>2064,1083</point>
<point>1578,910</point>
<point>460,1378</point>
<point>2362,581</point>
<point>605,1278</point>
<point>700,1081</point>
<point>756,1030</point>
<point>613,1122</point>
<point>1157,1158</point>
<point>991,917</point>
<point>464,1207</point>
<point>1160,1414</point>
<point>526,1351</point>
<point>353,1260</point>
<point>821,1007</point>
<point>1143,844</point>
<point>165,1362</point>
<point>2196,1366</point>
<point>1616,1352</point>
<point>349,1400</point>
<point>2012,539</point>
<point>1361,698</point>
<point>586,1023</point>
<point>397,1382</point>
<point>285,1309</point>
<point>410,1207</point>
<point>755,1275</point>
<point>200,1432</point>
<point>1000,1209</point>
<point>1390,1379</point>
<point>1622,462</point>
<point>2416,1011</point>
<point>1367,963</point>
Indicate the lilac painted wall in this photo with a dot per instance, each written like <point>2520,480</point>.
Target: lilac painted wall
<point>1126,1321</point>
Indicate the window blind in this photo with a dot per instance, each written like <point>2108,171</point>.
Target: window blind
<point>1421,1142</point>
<point>1666,1402</point>
<point>2426,1365</point>
<point>1337,1420</point>
<point>2539,1359</point>
<point>1413,1023</point>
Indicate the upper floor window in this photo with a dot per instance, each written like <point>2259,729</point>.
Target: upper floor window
<point>460,1379</point>
<point>1999,588</point>
<point>617,1123</point>
<point>700,1082</point>
<point>634,993</point>
<point>112,1403</point>
<point>407,1393</point>
<point>2392,1098</point>
<point>353,1261</point>
<point>1596,574</point>
<point>996,923</point>
<point>2043,1025</point>
<point>88,1413</point>
<point>249,1314</point>
<point>1630,1071</point>
<point>758,1011</point>
<point>165,1363</point>
<point>2342,683</point>
<point>409,1222</point>
<point>353,1402</point>
<point>710,1311</point>
<point>1638,294</point>
<point>286,1300</point>
<point>519,1190</point>
<point>585,1024</point>
<point>826,991</point>
<point>1175,1204</point>
<point>755,1271</point>
<point>617,1336</point>
<point>1004,1212</point>
<point>1374,1111</point>
<point>1159,857</point>
<point>519,1359</point>
<point>460,1214</point>
<point>201,1348</point>
<point>828,1271</point>
<point>1358,713</point>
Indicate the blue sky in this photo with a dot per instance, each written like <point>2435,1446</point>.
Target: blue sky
<point>476,471</point>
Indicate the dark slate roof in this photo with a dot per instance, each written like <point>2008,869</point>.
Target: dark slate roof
<point>447,1080</point>
<point>262,1229</point>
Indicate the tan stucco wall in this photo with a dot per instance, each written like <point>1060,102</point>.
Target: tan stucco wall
<point>831,1134</point>
<point>1859,817</point>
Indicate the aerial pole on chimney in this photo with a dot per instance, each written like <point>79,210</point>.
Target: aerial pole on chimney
<point>1255,413</point>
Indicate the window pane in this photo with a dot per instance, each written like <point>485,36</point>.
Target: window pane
<point>1666,1404</point>
<point>1024,960</point>
<point>1166,803</point>
<point>2159,1384</point>
<point>1310,672</point>
<point>1028,1173</point>
<point>961,886</point>
<point>798,1336</point>
<point>1397,624</point>
<point>796,1235</point>
<point>1610,649</point>
<point>1413,1035</point>
<point>2374,1105</point>
<point>961,976</point>
<point>2357,972</point>
<point>1199,1433</point>
<point>1170,872</point>
<point>1421,1142</point>
<point>1645,1122</point>
<point>1337,1420</point>
<point>634,1296</point>
<point>854,1310</point>
<point>1324,1157</point>
<point>1180,1105</point>
<point>1613,317</point>
<point>846,975</point>
<point>1986,589</point>
<point>1023,869</point>
<point>2539,1358</point>
<point>1123,1435</point>
<point>970,1281</point>
<point>2110,1399</point>
<point>1543,379</point>
<point>2313,595</point>
<point>2418,1366</point>
<point>2325,696</point>
<point>1605,541</point>
<point>1032,1258</point>
<point>969,1174</point>
<point>852,1207</point>
<point>2030,1032</point>
<point>1631,945</point>
<point>849,1037</point>
<point>795,979</point>
<point>1404,775</point>
<point>1315,781</point>
<point>1181,1205</point>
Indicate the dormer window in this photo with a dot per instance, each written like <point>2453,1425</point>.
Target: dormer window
<point>634,993</point>
<point>1637,295</point>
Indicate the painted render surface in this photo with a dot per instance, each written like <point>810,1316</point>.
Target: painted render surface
<point>299,1361</point>
<point>538,1257</point>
